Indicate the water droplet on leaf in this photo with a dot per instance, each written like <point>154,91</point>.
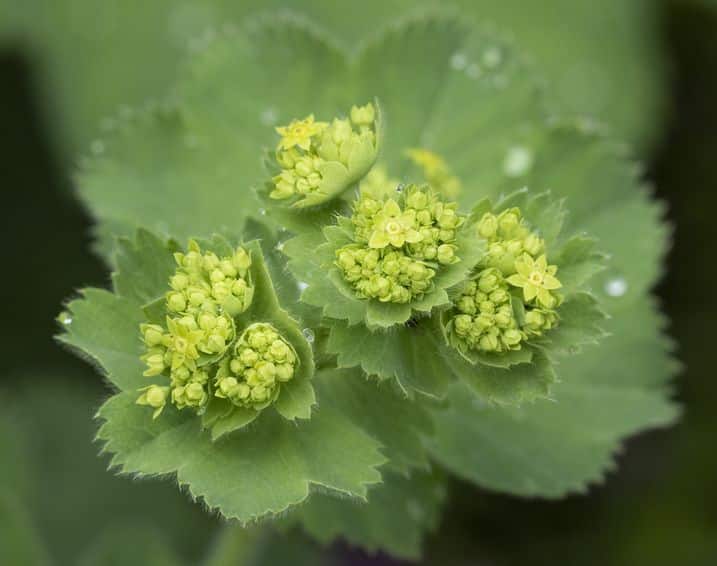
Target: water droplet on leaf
<point>616,287</point>
<point>492,57</point>
<point>518,161</point>
<point>308,334</point>
<point>262,211</point>
<point>458,61</point>
<point>302,286</point>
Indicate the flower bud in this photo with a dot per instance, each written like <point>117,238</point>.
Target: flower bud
<point>363,115</point>
<point>154,396</point>
<point>446,254</point>
<point>488,226</point>
<point>176,302</point>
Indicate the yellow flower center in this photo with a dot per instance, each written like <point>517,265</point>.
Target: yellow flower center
<point>536,278</point>
<point>393,227</point>
<point>180,344</point>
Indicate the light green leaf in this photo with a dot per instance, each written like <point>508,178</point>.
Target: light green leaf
<point>400,512</point>
<point>105,328</point>
<point>578,262</point>
<point>382,413</point>
<point>519,383</point>
<point>144,266</point>
<point>257,472</point>
<point>553,447</point>
<point>581,322</point>
<point>409,354</point>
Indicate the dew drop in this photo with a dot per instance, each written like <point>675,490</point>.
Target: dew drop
<point>492,57</point>
<point>269,116</point>
<point>279,247</point>
<point>616,287</point>
<point>458,61</point>
<point>518,161</point>
<point>308,334</point>
<point>302,286</point>
<point>66,319</point>
<point>262,211</point>
<point>474,71</point>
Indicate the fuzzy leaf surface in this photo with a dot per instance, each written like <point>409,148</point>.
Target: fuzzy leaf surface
<point>400,512</point>
<point>278,461</point>
<point>553,447</point>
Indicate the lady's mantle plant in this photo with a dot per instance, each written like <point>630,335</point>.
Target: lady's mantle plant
<point>298,355</point>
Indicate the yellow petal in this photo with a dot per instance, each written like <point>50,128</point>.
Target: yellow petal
<point>516,280</point>
<point>523,268</point>
<point>378,240</point>
<point>391,208</point>
<point>550,282</point>
<point>529,291</point>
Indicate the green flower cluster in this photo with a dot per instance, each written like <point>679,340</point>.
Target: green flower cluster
<point>206,292</point>
<point>512,294</point>
<point>399,244</point>
<point>485,319</point>
<point>261,360</point>
<point>318,160</point>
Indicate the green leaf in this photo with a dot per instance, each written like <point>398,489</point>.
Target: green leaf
<point>257,472</point>
<point>553,447</point>
<point>144,266</point>
<point>578,262</point>
<point>308,254</point>
<point>519,383</point>
<point>409,354</point>
<point>581,322</point>
<point>104,327</point>
<point>400,512</point>
<point>382,413</point>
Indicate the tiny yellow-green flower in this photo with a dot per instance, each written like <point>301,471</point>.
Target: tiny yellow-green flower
<point>393,226</point>
<point>299,133</point>
<point>154,396</point>
<point>537,280</point>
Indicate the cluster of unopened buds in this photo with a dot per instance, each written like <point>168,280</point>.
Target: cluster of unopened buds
<point>197,348</point>
<point>260,361</point>
<point>399,243</point>
<point>512,295</point>
<point>318,160</point>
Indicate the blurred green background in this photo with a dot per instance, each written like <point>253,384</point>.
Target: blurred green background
<point>647,68</point>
